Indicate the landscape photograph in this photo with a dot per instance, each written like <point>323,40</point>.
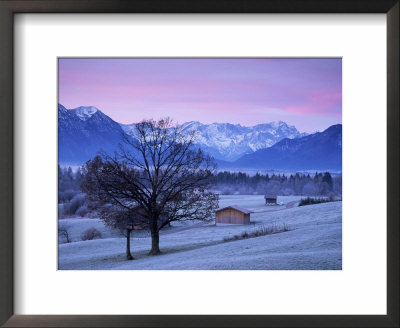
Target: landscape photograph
<point>199,164</point>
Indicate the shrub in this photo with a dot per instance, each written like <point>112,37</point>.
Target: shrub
<point>261,230</point>
<point>312,201</point>
<point>66,196</point>
<point>82,211</point>
<point>91,233</point>
<point>74,204</point>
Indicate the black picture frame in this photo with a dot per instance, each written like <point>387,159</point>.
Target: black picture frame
<point>10,7</point>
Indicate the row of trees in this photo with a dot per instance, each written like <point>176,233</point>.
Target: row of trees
<point>229,183</point>
<point>294,184</point>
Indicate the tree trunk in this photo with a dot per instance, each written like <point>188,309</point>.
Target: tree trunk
<point>128,245</point>
<point>155,238</point>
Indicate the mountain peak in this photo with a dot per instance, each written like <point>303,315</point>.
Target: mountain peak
<point>229,141</point>
<point>192,125</point>
<point>61,108</point>
<point>278,124</point>
<point>85,112</point>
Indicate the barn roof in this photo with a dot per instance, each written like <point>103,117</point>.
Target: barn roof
<point>237,208</point>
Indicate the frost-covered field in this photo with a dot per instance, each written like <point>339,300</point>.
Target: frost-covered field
<point>314,243</point>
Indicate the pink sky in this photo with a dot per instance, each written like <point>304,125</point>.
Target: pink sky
<point>306,93</point>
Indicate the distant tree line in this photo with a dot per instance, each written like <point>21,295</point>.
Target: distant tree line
<point>317,184</point>
<point>73,201</point>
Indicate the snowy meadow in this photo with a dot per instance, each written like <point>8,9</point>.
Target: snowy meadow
<point>313,241</point>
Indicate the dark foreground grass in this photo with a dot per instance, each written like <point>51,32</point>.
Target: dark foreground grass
<point>261,230</point>
<point>312,201</point>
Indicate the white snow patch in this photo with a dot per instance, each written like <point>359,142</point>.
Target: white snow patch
<point>85,112</point>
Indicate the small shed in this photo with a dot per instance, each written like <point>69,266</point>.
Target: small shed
<point>232,215</point>
<point>270,199</point>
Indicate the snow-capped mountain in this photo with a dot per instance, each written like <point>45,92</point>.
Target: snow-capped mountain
<point>84,131</point>
<point>230,141</point>
<point>317,151</point>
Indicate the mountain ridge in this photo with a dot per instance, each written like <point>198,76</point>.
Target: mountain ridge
<point>229,141</point>
<point>320,150</point>
<point>84,130</point>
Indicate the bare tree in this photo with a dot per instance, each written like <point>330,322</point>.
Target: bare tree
<point>158,176</point>
<point>63,231</point>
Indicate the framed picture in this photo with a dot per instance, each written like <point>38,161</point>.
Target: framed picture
<point>255,101</point>
<point>247,172</point>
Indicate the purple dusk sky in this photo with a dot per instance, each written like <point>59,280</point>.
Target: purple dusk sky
<point>306,93</point>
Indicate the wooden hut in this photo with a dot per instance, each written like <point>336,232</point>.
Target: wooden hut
<point>270,199</point>
<point>232,215</point>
